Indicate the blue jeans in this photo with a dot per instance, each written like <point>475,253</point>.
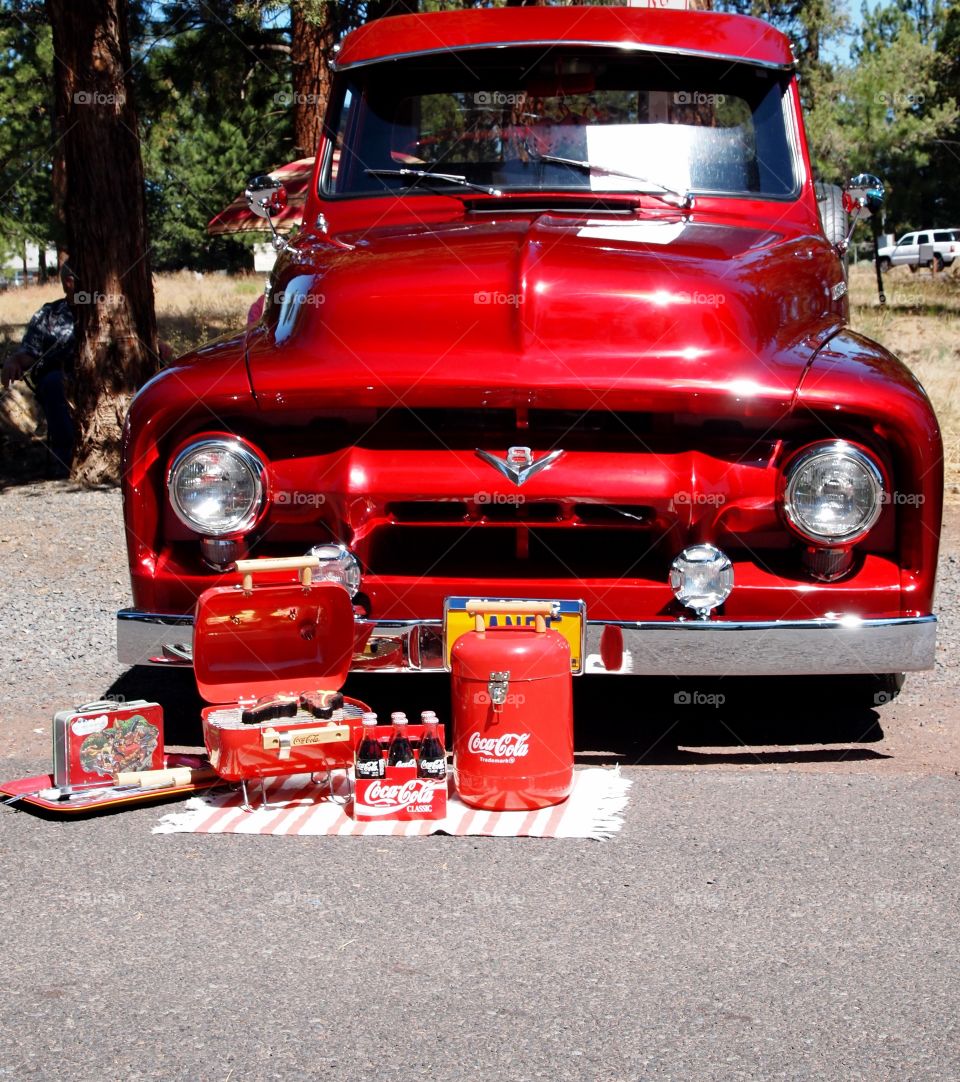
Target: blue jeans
<point>53,402</point>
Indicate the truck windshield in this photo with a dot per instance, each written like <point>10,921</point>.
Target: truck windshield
<point>520,119</point>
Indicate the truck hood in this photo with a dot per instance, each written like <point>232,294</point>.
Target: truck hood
<point>551,310</point>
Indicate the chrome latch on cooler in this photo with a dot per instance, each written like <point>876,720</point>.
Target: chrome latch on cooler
<point>285,743</point>
<point>497,687</point>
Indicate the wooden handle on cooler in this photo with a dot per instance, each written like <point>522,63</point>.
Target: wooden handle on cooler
<point>172,777</point>
<point>540,609</point>
<point>306,565</point>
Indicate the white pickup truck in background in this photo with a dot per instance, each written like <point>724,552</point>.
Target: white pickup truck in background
<point>930,247</point>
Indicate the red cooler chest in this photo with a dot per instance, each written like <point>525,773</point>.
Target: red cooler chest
<point>512,711</point>
<point>286,642</point>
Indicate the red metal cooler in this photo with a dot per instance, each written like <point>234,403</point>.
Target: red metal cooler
<point>512,711</point>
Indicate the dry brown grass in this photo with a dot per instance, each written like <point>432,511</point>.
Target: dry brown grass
<point>920,323</point>
<point>190,310</point>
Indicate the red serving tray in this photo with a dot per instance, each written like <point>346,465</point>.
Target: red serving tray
<point>95,799</point>
<point>286,638</point>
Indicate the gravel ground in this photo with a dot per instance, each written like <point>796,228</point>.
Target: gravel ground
<point>63,572</point>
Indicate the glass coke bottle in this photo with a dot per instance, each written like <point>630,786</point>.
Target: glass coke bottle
<point>401,750</point>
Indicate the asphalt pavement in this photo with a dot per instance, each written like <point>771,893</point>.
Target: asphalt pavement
<point>742,925</point>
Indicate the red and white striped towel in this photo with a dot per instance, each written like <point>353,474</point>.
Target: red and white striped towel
<point>593,810</point>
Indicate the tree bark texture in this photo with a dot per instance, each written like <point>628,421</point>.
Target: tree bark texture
<point>313,37</point>
<point>105,209</point>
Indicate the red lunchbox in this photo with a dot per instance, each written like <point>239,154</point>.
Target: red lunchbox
<point>96,741</point>
<point>282,642</point>
<point>512,711</point>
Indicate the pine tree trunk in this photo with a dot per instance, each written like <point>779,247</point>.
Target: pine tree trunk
<point>105,210</point>
<point>311,49</point>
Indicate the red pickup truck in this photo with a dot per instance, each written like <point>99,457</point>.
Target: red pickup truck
<point>561,322</point>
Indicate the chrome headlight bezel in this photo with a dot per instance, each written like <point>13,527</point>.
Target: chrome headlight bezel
<point>863,460</point>
<point>249,460</point>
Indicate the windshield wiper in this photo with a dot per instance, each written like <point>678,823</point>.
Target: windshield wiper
<point>425,174</point>
<point>685,198</point>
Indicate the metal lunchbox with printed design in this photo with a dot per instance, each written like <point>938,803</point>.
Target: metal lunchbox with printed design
<point>512,711</point>
<point>271,660</point>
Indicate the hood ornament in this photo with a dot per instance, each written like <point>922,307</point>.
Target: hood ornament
<point>519,465</point>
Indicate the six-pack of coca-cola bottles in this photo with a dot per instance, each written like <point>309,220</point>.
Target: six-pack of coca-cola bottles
<point>431,761</point>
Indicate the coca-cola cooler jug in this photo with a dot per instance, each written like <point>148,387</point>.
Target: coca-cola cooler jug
<point>512,710</point>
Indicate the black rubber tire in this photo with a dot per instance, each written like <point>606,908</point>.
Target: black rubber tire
<point>913,268</point>
<point>869,692</point>
<point>885,264</point>
<point>832,215</point>
<point>937,262</point>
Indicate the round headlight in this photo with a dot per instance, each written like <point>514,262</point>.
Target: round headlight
<point>834,493</point>
<point>217,486</point>
<point>337,564</point>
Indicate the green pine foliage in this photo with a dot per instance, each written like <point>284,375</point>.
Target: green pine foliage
<point>888,111</point>
<point>212,83</point>
<point>27,138</point>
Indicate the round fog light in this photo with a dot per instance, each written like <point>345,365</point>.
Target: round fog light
<point>701,578</point>
<point>337,564</point>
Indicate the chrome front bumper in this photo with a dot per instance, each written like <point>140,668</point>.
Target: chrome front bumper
<point>644,648</point>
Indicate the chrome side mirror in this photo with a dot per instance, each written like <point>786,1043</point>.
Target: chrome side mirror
<point>864,192</point>
<point>267,197</point>
<point>862,198</point>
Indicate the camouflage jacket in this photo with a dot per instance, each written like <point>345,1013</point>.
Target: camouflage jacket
<point>51,338</point>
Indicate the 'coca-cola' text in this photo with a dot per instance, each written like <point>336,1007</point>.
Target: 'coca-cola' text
<point>414,791</point>
<point>505,746</point>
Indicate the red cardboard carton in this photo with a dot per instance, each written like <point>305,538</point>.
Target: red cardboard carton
<point>400,795</point>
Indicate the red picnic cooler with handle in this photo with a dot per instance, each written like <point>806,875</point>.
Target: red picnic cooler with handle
<point>289,640</point>
<point>512,710</point>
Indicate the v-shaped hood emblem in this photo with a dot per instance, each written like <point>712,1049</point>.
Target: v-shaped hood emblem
<point>519,464</point>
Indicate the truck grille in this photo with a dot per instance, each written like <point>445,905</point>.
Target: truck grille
<point>495,551</point>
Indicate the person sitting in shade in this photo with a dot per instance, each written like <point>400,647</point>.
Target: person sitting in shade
<point>45,357</point>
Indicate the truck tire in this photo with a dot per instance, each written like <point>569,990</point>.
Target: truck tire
<point>937,262</point>
<point>832,215</point>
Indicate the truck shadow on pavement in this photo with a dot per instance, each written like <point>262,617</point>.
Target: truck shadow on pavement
<point>620,720</point>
